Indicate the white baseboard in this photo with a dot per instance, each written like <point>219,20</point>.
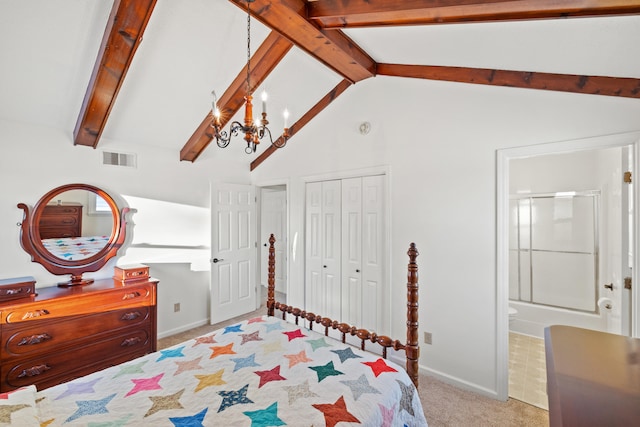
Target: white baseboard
<point>457,382</point>
<point>182,328</point>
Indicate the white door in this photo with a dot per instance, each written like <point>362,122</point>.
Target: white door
<point>363,251</point>
<point>273,220</point>
<point>322,248</point>
<point>233,251</point>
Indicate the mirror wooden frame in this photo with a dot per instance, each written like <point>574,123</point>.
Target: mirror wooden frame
<point>32,244</point>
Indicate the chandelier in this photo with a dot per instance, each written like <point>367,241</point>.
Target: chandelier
<point>254,130</point>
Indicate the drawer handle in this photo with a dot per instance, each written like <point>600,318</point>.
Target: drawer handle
<point>34,339</point>
<point>37,313</point>
<point>132,295</point>
<point>33,371</point>
<point>131,316</point>
<point>130,341</point>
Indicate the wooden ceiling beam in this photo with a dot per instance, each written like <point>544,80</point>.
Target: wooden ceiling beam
<point>593,85</point>
<point>122,36</point>
<point>332,48</point>
<point>306,118</point>
<point>373,13</point>
<point>263,61</point>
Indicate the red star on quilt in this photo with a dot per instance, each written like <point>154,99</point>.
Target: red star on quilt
<point>379,366</point>
<point>256,320</point>
<point>336,412</point>
<point>271,375</point>
<point>294,334</point>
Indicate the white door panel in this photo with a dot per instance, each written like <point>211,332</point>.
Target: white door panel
<point>233,288</point>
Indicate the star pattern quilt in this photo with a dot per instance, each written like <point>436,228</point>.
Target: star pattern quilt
<point>75,248</point>
<point>260,372</point>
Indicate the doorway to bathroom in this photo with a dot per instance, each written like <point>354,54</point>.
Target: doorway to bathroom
<point>566,222</point>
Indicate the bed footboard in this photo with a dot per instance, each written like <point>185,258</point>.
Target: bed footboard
<point>411,346</point>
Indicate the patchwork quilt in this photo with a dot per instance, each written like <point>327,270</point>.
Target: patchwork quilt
<point>260,372</point>
<point>75,248</point>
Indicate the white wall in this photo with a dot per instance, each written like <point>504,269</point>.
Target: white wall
<point>36,159</point>
<point>439,141</point>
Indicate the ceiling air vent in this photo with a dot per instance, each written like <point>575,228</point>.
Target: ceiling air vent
<point>119,159</point>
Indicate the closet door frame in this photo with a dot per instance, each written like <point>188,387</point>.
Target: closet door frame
<point>388,274</point>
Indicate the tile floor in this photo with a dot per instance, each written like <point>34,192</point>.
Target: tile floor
<point>527,370</point>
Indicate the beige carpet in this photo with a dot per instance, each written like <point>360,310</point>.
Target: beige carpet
<point>444,404</point>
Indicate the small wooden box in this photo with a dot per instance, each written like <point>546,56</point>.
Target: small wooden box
<point>126,273</point>
<point>16,288</point>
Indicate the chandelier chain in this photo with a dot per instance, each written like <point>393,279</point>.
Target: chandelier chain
<point>248,47</point>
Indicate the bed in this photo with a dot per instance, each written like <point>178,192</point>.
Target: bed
<point>75,248</point>
<point>264,371</point>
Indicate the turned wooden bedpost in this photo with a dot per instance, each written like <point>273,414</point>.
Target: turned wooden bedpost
<point>271,278</point>
<point>412,346</point>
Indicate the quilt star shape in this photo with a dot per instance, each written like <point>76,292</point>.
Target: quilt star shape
<point>90,407</point>
<point>172,352</point>
<point>244,362</point>
<point>319,343</point>
<point>255,320</point>
<point>189,365</point>
<point>254,336</point>
<point>233,328</point>
<point>299,391</point>
<point>360,386</point>
<point>272,347</point>
<point>265,417</point>
<point>222,349</point>
<point>234,397</point>
<point>379,366</point>
<point>325,371</point>
<point>336,412</point>
<point>160,403</point>
<point>292,335</point>
<point>7,410</point>
<point>209,380</point>
<point>143,384</point>
<point>79,388</point>
<point>270,375</point>
<point>128,369</point>
<point>192,421</point>
<point>294,359</point>
<point>276,326</point>
<point>387,415</point>
<point>346,354</point>
<point>209,339</point>
<point>407,397</point>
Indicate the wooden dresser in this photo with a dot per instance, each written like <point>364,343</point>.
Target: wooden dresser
<point>593,378</point>
<point>64,333</point>
<point>61,220</point>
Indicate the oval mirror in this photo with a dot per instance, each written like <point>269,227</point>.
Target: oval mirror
<point>73,229</point>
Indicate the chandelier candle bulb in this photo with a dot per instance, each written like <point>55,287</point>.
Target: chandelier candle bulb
<point>285,114</point>
<point>264,102</point>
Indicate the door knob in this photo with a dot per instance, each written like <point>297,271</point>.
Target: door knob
<point>216,260</point>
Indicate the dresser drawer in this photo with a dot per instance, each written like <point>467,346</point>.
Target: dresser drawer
<point>124,297</point>
<point>30,338</point>
<point>62,366</point>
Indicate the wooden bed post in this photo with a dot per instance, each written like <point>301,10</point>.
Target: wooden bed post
<point>412,347</point>
<point>271,278</point>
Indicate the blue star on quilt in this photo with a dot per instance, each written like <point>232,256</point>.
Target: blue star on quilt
<point>79,388</point>
<point>346,354</point>
<point>273,327</point>
<point>265,417</point>
<point>244,362</point>
<point>192,421</point>
<point>233,328</point>
<point>234,397</point>
<point>319,343</point>
<point>172,352</point>
<point>325,371</point>
<point>360,386</point>
<point>90,407</point>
